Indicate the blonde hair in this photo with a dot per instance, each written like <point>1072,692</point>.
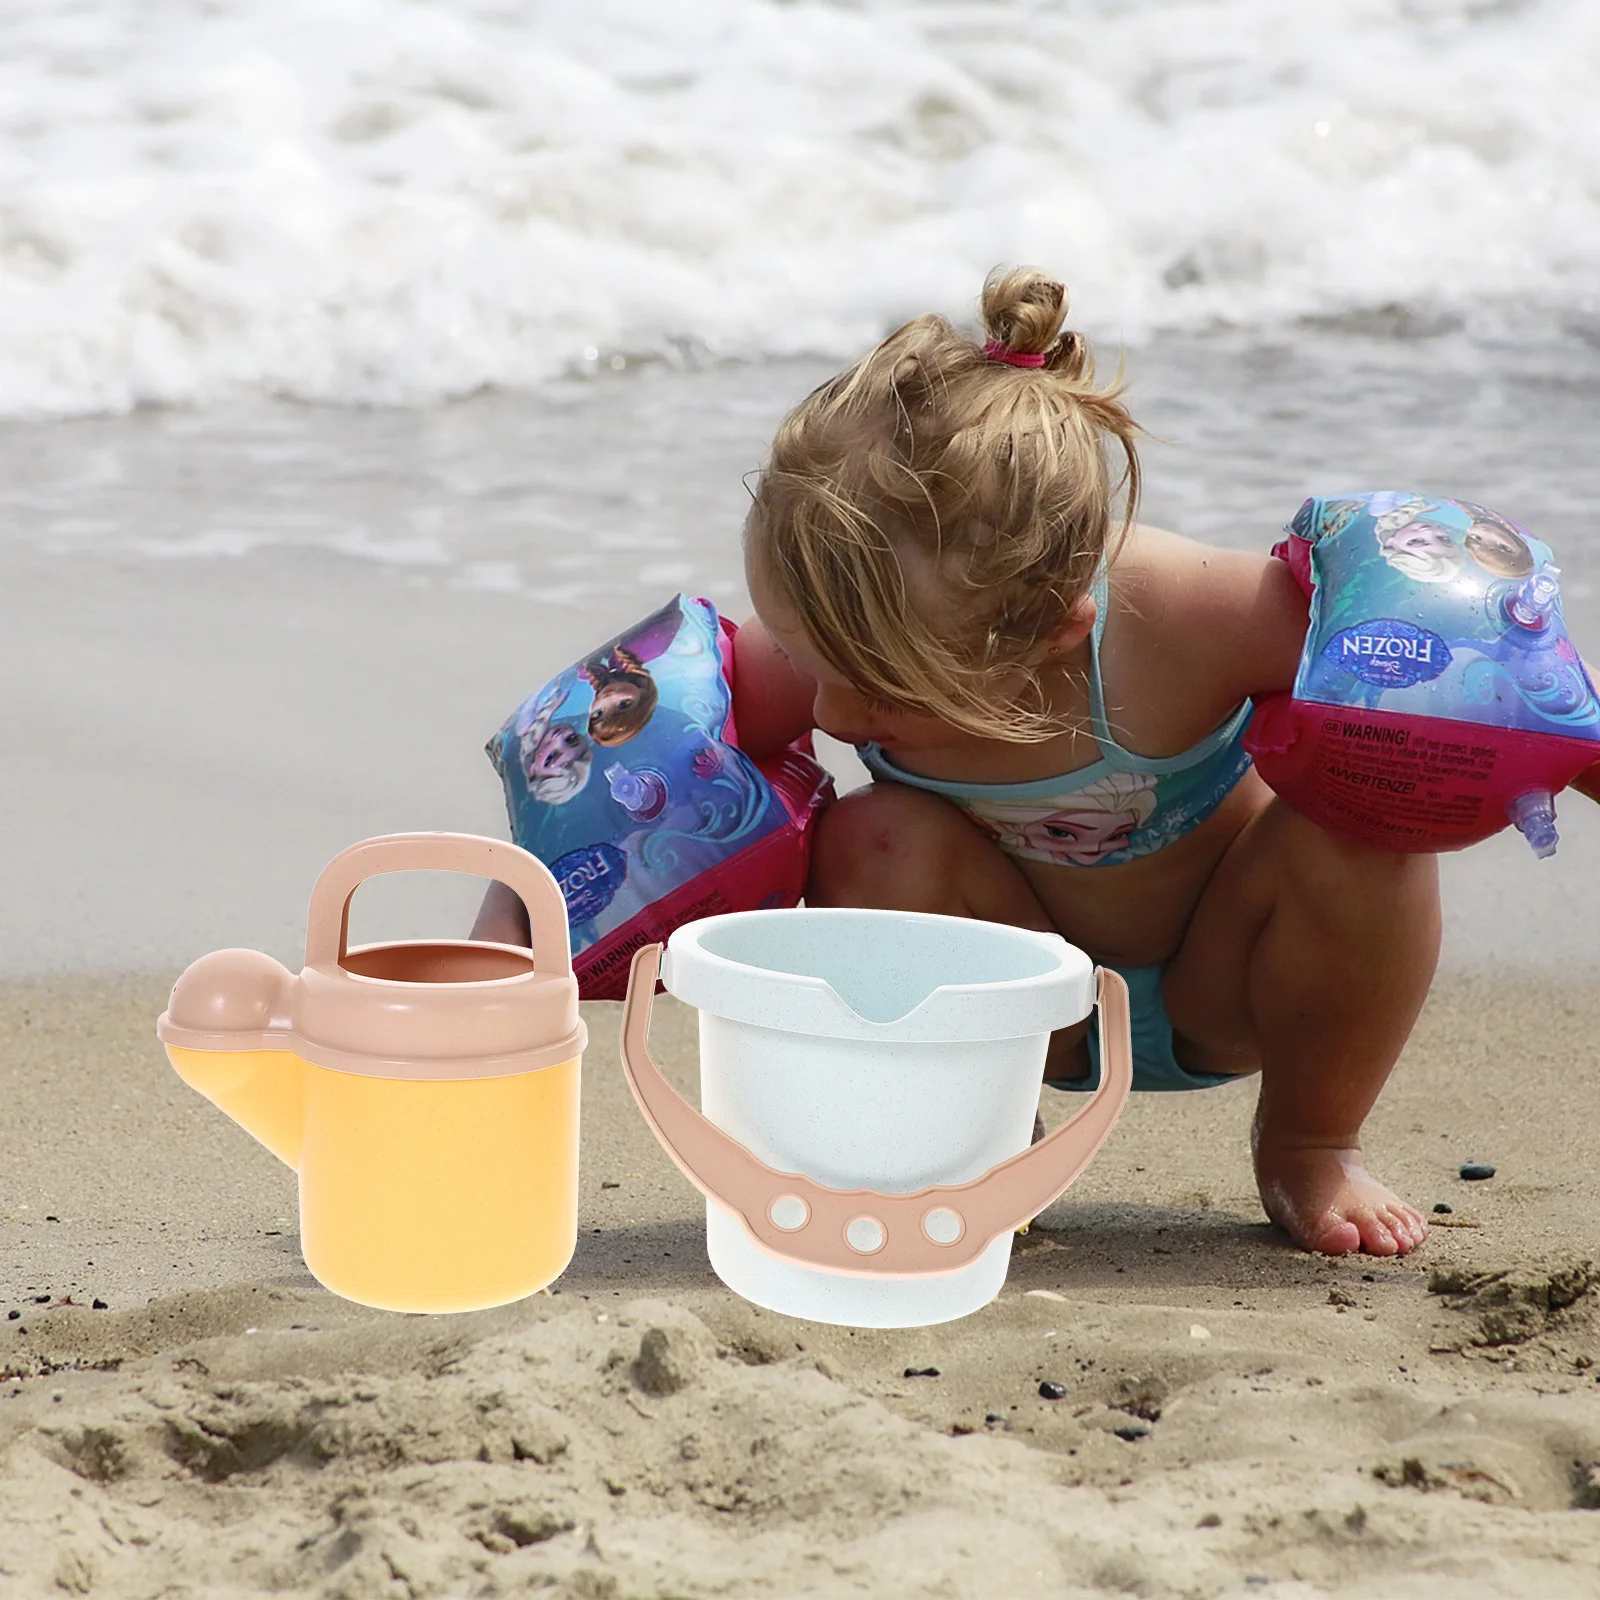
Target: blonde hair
<point>934,453</point>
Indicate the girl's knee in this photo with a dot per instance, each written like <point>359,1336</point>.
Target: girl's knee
<point>886,846</point>
<point>894,848</point>
<point>1334,869</point>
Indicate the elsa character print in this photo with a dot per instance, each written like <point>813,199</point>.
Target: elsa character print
<point>555,756</point>
<point>1415,546</point>
<point>1099,821</point>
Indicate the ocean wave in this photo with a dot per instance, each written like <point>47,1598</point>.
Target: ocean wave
<point>393,202</point>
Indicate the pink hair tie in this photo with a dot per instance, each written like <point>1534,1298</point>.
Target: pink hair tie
<point>996,351</point>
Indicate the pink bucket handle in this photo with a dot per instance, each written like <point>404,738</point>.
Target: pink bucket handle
<point>328,921</point>
<point>929,1233</point>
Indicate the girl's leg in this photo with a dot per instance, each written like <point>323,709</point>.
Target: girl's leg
<point>1311,955</point>
<point>891,847</point>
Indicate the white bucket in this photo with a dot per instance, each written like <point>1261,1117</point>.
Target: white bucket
<point>849,1058</point>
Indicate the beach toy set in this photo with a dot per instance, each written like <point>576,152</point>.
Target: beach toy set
<point>869,1082</point>
<point>1438,698</point>
<point>624,775</point>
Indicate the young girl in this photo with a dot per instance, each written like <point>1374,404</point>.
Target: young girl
<point>1050,698</point>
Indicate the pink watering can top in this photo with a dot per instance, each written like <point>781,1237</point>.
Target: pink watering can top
<point>436,1009</point>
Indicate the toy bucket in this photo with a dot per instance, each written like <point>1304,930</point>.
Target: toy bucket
<point>426,1093</point>
<point>868,1084</point>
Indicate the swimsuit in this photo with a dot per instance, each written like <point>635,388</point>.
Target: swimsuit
<point>1121,807</point>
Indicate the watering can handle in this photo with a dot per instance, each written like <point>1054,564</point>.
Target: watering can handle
<point>328,921</point>
<point>865,1233</point>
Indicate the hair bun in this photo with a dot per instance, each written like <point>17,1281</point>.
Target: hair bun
<point>1023,309</point>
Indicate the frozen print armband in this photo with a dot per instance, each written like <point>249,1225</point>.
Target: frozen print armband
<point>1438,697</point>
<point>624,775</point>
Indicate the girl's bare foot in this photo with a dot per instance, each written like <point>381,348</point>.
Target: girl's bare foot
<point>1328,1202</point>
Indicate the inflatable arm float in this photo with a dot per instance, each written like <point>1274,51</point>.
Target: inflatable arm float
<point>624,775</point>
<point>1438,698</point>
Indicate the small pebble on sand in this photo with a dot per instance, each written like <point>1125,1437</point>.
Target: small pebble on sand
<point>1051,1390</point>
<point>1442,1210</point>
<point>1476,1171</point>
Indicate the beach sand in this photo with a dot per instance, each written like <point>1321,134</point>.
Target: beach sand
<point>185,1412</point>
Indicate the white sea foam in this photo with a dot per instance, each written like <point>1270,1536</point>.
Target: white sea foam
<point>393,201</point>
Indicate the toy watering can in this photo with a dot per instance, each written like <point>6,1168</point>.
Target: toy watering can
<point>426,1093</point>
<point>868,1082</point>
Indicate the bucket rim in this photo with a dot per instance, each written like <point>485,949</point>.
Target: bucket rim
<point>695,930</point>
<point>693,974</point>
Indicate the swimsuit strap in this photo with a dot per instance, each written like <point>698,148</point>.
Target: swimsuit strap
<point>1101,591</point>
<point>1116,756</point>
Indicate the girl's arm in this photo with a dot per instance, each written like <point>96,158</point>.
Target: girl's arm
<point>771,700</point>
<point>1255,616</point>
<point>1273,613</point>
<point>502,918</point>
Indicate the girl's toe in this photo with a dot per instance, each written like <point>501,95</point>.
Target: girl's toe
<point>1378,1240</point>
<point>1333,1235</point>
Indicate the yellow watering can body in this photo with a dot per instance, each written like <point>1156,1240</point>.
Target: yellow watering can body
<point>426,1094</point>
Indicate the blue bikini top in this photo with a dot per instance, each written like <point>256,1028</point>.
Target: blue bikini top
<point>1116,809</point>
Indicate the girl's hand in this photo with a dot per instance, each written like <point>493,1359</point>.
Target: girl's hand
<point>502,918</point>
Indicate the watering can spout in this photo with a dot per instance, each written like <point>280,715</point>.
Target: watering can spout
<point>230,1009</point>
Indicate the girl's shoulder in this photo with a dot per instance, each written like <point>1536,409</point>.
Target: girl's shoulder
<point>1237,618</point>
<point>1159,561</point>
